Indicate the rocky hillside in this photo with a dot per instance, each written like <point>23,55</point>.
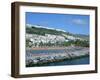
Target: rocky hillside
<point>41,30</point>
<point>40,36</point>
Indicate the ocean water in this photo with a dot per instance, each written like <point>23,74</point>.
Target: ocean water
<point>46,51</point>
<point>78,61</point>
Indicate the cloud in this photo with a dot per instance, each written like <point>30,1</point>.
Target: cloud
<point>79,21</point>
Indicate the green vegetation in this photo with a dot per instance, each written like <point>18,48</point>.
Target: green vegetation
<point>43,31</point>
<point>28,43</point>
<point>76,43</point>
<point>60,44</point>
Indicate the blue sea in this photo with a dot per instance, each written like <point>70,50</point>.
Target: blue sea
<point>78,61</point>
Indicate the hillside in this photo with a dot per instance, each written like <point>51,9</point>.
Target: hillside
<point>40,36</point>
<point>34,29</point>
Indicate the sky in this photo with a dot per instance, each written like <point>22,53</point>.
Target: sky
<point>73,23</point>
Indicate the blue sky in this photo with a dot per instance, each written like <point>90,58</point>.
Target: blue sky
<point>77,24</point>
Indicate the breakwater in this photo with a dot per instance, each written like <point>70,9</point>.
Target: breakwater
<point>49,55</point>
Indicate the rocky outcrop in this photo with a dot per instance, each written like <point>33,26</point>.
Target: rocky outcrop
<point>67,53</point>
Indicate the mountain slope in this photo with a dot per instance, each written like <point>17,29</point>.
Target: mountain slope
<point>39,30</point>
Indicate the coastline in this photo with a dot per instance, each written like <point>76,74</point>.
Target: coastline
<point>55,61</point>
<point>46,48</point>
<point>43,58</point>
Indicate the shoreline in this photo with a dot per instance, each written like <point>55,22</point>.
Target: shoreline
<point>43,63</point>
<point>46,48</point>
<point>42,58</point>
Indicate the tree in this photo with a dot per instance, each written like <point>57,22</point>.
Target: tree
<point>28,43</point>
<point>41,44</point>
